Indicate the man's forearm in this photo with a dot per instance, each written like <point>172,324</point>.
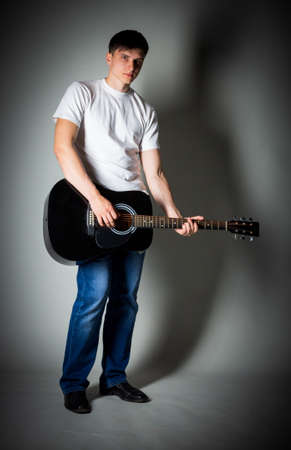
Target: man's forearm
<point>75,172</point>
<point>161,193</point>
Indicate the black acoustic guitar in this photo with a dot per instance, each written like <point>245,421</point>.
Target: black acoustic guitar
<point>72,233</point>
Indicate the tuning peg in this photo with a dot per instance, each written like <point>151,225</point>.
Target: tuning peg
<point>251,239</point>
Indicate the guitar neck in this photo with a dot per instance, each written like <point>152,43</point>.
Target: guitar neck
<point>163,222</point>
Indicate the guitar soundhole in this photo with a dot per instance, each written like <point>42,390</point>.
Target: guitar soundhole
<point>124,222</point>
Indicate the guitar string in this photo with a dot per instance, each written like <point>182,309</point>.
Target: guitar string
<point>127,219</point>
<point>170,222</point>
<point>164,222</point>
<point>165,218</point>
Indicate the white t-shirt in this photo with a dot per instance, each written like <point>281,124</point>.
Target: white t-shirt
<point>113,128</point>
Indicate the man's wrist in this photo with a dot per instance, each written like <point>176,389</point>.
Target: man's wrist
<point>93,196</point>
<point>172,211</point>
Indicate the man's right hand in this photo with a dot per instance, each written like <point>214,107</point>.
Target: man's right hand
<point>104,211</point>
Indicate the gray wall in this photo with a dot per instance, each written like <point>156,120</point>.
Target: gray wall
<point>218,76</point>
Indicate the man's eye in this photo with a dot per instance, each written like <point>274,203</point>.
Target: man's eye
<point>124,57</point>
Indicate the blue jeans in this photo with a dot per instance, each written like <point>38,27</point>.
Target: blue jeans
<point>114,277</point>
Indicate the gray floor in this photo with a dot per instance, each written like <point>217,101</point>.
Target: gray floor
<point>187,411</point>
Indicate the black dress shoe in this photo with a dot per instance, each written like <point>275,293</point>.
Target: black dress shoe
<point>77,402</point>
<point>126,392</point>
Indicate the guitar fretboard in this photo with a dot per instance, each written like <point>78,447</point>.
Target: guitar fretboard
<point>140,221</point>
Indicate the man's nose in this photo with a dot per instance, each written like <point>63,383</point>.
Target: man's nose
<point>131,65</point>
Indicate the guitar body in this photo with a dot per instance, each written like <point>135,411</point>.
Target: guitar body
<point>71,236</point>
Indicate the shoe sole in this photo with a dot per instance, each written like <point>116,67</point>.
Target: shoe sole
<point>79,410</point>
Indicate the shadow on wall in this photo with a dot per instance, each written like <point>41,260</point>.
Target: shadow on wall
<point>197,159</point>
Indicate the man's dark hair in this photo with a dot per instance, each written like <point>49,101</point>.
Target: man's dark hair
<point>128,39</point>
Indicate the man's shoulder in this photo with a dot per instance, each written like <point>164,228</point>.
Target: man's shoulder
<point>87,87</point>
<point>146,106</point>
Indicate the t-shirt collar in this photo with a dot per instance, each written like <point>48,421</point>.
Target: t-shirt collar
<point>113,91</point>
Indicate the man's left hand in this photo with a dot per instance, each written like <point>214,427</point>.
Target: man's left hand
<point>190,227</point>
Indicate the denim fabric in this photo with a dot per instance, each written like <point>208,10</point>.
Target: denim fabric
<point>114,278</point>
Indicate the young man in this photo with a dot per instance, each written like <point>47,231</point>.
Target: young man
<point>104,133</point>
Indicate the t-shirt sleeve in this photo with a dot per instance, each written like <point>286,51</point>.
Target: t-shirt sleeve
<point>73,104</point>
<point>150,138</point>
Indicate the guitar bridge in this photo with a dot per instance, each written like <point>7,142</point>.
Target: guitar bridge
<point>90,222</point>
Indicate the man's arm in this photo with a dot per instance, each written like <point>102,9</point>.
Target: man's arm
<point>74,171</point>
<point>160,190</point>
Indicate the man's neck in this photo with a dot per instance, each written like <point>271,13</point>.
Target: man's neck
<point>117,84</point>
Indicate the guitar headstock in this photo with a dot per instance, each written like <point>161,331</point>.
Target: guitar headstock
<point>244,228</point>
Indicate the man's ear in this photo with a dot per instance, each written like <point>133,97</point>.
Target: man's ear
<point>108,57</point>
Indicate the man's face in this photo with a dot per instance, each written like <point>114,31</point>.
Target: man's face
<point>124,64</point>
